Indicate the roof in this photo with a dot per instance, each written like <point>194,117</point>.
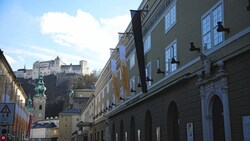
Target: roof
<point>84,90</point>
<point>70,111</point>
<point>21,70</point>
<point>83,124</point>
<point>44,125</point>
<point>74,67</point>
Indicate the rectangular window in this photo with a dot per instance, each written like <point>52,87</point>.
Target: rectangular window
<point>132,85</point>
<point>217,17</point>
<point>126,136</point>
<point>139,135</point>
<point>102,94</point>
<point>147,44</point>
<point>113,99</point>
<point>170,53</point>
<point>132,61</point>
<point>210,36</point>
<point>138,80</point>
<point>107,103</point>
<point>102,106</point>
<point>116,137</point>
<point>120,74</point>
<point>148,74</point>
<point>107,88</point>
<point>170,18</point>
<point>121,93</point>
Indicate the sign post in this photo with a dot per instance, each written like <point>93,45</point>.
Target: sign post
<point>7,112</point>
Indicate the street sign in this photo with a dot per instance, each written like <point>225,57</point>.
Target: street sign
<point>5,109</point>
<point>7,112</point>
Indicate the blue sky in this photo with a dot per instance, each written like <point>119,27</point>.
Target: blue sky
<point>74,30</point>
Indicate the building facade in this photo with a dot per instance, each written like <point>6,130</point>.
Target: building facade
<point>45,130</point>
<point>84,132</point>
<point>54,67</point>
<point>11,92</point>
<point>71,115</point>
<point>189,82</point>
<point>68,120</point>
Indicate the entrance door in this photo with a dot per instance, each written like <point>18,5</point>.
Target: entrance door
<point>218,120</point>
<point>132,129</point>
<point>148,127</point>
<point>173,123</point>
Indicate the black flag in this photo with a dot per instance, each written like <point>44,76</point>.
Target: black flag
<point>137,30</point>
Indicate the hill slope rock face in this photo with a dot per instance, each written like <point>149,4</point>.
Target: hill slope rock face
<point>56,94</point>
<point>57,88</point>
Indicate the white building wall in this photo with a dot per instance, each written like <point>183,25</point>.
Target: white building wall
<point>38,133</point>
<point>28,74</point>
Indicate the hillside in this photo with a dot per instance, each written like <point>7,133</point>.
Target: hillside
<point>57,88</point>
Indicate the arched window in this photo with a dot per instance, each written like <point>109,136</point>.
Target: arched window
<point>121,131</point>
<point>148,127</point>
<point>40,107</point>
<point>132,129</point>
<point>173,122</point>
<point>218,120</point>
<point>113,132</point>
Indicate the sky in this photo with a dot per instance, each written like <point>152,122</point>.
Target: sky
<point>74,30</point>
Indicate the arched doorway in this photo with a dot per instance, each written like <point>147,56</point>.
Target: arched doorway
<point>218,119</point>
<point>113,132</point>
<point>214,101</point>
<point>121,131</point>
<point>173,122</point>
<point>148,127</point>
<point>132,129</point>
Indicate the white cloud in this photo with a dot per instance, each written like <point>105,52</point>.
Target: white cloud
<point>28,54</point>
<point>10,59</point>
<point>84,33</point>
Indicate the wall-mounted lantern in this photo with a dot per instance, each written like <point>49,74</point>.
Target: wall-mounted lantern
<point>159,71</point>
<point>221,28</point>
<point>193,48</point>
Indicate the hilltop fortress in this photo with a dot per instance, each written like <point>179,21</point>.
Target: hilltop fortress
<point>55,67</point>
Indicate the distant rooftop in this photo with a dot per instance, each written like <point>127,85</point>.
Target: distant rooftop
<point>70,111</point>
<point>44,125</point>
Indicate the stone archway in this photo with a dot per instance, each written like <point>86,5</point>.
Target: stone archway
<point>214,92</point>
